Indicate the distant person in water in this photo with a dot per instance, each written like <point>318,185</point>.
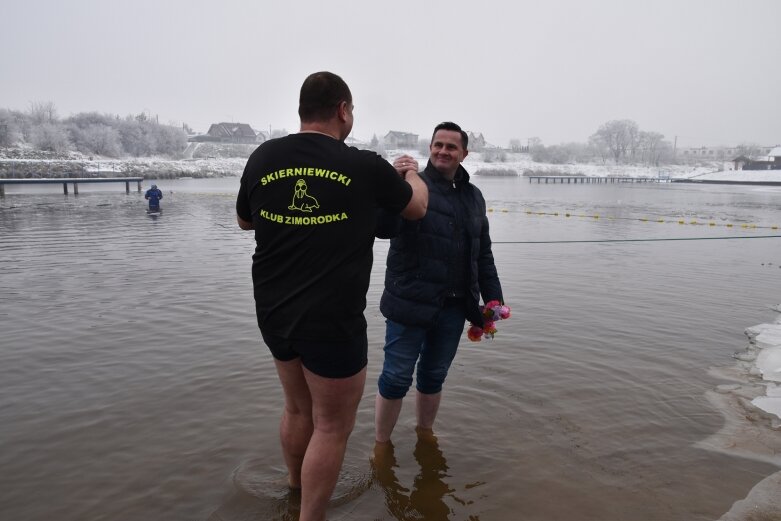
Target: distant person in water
<point>154,195</point>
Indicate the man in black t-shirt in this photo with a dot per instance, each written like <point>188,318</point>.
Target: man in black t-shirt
<point>312,202</point>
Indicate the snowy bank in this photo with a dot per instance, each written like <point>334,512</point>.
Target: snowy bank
<point>752,411</point>
<point>522,163</point>
<point>147,167</point>
<point>766,342</point>
<point>227,161</point>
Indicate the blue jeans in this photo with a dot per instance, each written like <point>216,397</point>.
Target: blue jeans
<point>433,349</point>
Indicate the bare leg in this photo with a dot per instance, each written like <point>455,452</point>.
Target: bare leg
<point>334,406</point>
<point>296,426</point>
<point>426,407</point>
<point>386,414</point>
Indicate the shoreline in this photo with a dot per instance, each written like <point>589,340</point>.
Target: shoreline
<point>751,407</point>
<point>724,182</point>
<point>148,168</point>
<point>229,161</point>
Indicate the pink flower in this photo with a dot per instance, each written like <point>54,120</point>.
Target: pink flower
<point>492,311</point>
<point>475,333</point>
<point>489,328</point>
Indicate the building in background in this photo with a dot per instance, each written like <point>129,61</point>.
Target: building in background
<point>231,133</point>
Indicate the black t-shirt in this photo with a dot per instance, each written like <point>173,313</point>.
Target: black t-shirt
<point>313,200</point>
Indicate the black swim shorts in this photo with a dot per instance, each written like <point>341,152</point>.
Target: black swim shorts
<point>327,359</point>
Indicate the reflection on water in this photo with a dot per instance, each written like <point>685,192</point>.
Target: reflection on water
<point>261,491</point>
<point>426,499</point>
<point>134,382</point>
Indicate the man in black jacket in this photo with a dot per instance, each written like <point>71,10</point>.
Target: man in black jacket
<point>437,269</point>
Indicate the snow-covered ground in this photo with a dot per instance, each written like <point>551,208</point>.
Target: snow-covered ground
<point>475,163</point>
<point>751,409</point>
<point>765,347</point>
<point>752,405</point>
<point>520,163</point>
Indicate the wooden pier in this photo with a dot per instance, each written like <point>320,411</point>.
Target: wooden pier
<point>594,179</point>
<point>75,181</point>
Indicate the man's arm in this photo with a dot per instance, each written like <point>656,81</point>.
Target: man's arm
<point>388,224</point>
<point>245,225</point>
<point>487,276</point>
<point>242,208</point>
<point>418,204</point>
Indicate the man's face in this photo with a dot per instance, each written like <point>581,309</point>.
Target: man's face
<point>447,151</point>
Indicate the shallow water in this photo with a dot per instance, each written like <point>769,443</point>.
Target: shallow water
<point>134,383</point>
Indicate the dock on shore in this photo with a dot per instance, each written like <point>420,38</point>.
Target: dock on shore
<point>594,179</point>
<point>75,181</point>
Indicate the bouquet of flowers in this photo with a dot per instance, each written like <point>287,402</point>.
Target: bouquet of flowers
<point>492,311</point>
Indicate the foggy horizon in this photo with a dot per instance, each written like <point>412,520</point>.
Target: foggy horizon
<point>704,72</point>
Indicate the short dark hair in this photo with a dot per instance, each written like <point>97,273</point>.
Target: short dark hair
<point>321,93</point>
<point>449,125</point>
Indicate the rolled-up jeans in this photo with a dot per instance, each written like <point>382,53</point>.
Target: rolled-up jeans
<point>432,348</point>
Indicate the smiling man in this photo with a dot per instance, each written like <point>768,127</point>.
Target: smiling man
<point>437,269</point>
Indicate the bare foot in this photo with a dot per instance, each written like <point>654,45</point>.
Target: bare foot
<point>383,457</point>
<point>425,434</point>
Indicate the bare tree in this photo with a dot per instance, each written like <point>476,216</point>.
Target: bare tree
<point>534,142</point>
<point>633,136</point>
<point>377,145</point>
<point>494,154</point>
<point>424,147</point>
<point>651,144</point>
<point>9,133</point>
<point>618,137</point>
<point>43,112</point>
<point>750,150</point>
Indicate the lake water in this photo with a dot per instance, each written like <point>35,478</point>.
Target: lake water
<point>134,385</point>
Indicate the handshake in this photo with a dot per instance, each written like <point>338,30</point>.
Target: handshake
<point>405,164</point>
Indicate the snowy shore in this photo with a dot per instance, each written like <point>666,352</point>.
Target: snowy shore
<point>765,352</point>
<point>752,404</point>
<point>752,414</point>
<point>14,164</point>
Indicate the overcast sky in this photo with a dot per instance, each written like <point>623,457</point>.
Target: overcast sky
<point>707,71</point>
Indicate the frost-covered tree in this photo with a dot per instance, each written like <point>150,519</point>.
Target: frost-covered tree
<point>9,133</point>
<point>494,154</point>
<point>98,139</point>
<point>652,146</point>
<point>750,150</point>
<point>424,148</point>
<point>134,141</point>
<point>516,145</point>
<point>534,142</point>
<point>170,141</point>
<point>50,136</point>
<point>377,145</point>
<point>617,137</point>
<point>43,112</point>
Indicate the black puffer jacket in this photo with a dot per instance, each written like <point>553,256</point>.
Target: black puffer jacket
<point>416,279</point>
